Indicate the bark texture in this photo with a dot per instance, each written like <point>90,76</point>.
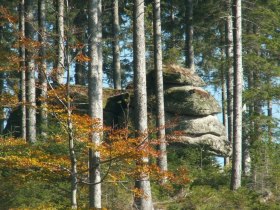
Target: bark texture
<point>59,72</point>
<point>95,98</point>
<point>189,57</point>
<point>160,117</point>
<point>30,68</point>
<point>229,77</point>
<point>238,84</point>
<point>116,47</point>
<point>43,114</point>
<point>22,68</point>
<point>140,92</point>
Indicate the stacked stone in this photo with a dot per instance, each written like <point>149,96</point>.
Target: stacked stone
<point>191,110</point>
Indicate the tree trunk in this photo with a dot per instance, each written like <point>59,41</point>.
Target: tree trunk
<point>224,98</point>
<point>59,71</point>
<point>42,68</point>
<point>238,84</point>
<point>71,139</point>
<point>269,114</point>
<point>116,47</point>
<point>22,68</point>
<point>140,92</point>
<point>160,118</point>
<point>229,77</point>
<point>30,68</point>
<point>189,54</point>
<point>95,98</point>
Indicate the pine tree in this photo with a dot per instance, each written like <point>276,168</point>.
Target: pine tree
<point>142,183</point>
<point>31,89</point>
<point>95,98</point>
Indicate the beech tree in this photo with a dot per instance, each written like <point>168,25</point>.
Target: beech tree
<point>95,98</point>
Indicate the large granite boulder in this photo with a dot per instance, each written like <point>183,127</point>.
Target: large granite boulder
<point>174,75</point>
<point>191,101</point>
<point>207,131</point>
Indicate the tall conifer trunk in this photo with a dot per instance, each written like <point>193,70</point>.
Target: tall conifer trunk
<point>116,47</point>
<point>30,68</point>
<point>143,182</point>
<point>238,84</point>
<point>160,118</point>
<point>95,98</point>
<point>189,54</point>
<point>229,77</point>
<point>22,68</point>
<point>59,72</point>
<point>42,67</point>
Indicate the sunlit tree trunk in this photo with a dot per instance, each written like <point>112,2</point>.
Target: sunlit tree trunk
<point>59,71</point>
<point>189,54</point>
<point>238,84</point>
<point>43,116</point>
<point>229,77</point>
<point>22,68</point>
<point>30,68</point>
<point>160,118</point>
<point>116,47</point>
<point>95,98</point>
<point>143,182</point>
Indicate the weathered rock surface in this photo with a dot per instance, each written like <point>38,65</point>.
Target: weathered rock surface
<point>199,125</point>
<point>217,144</point>
<point>174,75</point>
<point>191,101</point>
<point>207,131</point>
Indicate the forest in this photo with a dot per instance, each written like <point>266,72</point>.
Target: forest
<point>140,104</point>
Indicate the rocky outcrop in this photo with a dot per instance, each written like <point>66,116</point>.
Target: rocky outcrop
<point>206,131</point>
<point>190,110</point>
<point>190,101</point>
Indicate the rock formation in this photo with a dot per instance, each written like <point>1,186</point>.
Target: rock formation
<point>190,109</point>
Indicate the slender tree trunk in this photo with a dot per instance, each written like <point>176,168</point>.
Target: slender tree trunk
<point>2,110</point>
<point>140,92</point>
<point>224,98</point>
<point>59,72</point>
<point>116,47</point>
<point>22,68</point>
<point>172,17</point>
<point>238,82</point>
<point>189,55</point>
<point>269,114</point>
<point>95,98</point>
<point>160,118</point>
<point>246,160</point>
<point>30,68</point>
<point>71,138</point>
<point>42,68</point>
<point>229,77</point>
